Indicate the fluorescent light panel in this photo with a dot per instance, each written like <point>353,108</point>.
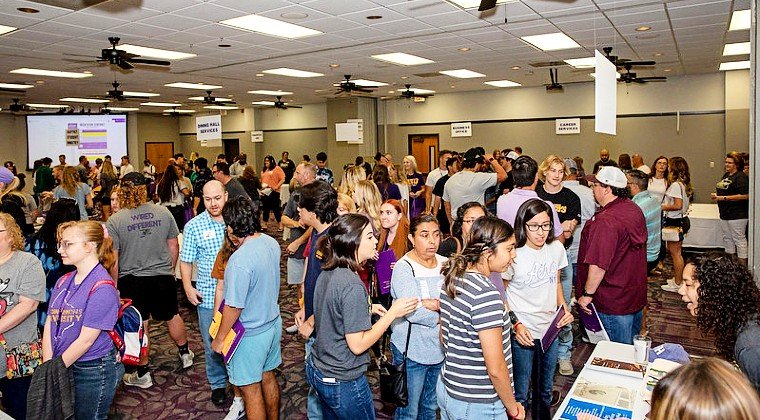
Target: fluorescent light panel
<point>734,65</point>
<point>473,4</point>
<point>269,103</point>
<point>268,26</point>
<point>284,71</point>
<point>14,86</point>
<point>179,111</point>
<point>145,52</point>
<point>219,107</point>
<point>270,92</point>
<point>6,29</point>
<point>368,83</point>
<point>740,19</point>
<point>121,109</point>
<point>48,106</point>
<point>418,91</point>
<point>140,94</point>
<point>738,48</point>
<point>200,98</point>
<point>582,63</point>
<point>502,83</point>
<point>462,73</point>
<point>164,104</point>
<point>199,86</point>
<point>51,73</point>
<point>402,59</point>
<point>551,42</point>
<point>85,100</point>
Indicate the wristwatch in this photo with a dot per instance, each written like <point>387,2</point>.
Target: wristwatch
<point>587,294</point>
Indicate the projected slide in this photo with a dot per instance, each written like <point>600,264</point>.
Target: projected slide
<point>93,136</point>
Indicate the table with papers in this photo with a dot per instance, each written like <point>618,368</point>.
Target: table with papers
<point>705,229</point>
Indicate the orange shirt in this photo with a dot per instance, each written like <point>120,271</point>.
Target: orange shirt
<point>273,178</point>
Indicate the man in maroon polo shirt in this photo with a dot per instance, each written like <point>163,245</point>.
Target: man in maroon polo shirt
<point>612,258</point>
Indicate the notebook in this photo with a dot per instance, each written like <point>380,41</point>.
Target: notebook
<point>232,341</point>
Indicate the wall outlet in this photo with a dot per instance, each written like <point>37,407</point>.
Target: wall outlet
<point>712,164</point>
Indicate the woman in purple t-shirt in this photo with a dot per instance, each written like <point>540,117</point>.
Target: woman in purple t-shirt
<point>81,313</point>
<point>416,187</point>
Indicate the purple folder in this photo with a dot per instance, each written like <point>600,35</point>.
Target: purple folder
<point>384,270</point>
<point>590,321</point>
<point>552,332</point>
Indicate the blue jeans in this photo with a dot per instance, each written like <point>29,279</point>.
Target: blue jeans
<point>420,385</point>
<point>216,371</point>
<point>566,333</point>
<point>95,384</point>
<point>454,409</point>
<point>530,364</point>
<point>341,400</point>
<point>313,406</point>
<point>621,328</point>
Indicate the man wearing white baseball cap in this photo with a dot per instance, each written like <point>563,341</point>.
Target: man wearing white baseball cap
<point>612,257</point>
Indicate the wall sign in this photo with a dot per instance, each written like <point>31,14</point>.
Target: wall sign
<point>208,127</point>
<point>360,124</point>
<point>463,129</point>
<point>348,131</point>
<point>257,136</point>
<point>567,126</point>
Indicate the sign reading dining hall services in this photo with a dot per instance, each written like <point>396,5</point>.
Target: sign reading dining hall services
<point>461,129</point>
<point>208,127</point>
<point>567,126</point>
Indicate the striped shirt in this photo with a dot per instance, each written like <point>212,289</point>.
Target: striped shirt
<point>477,306</point>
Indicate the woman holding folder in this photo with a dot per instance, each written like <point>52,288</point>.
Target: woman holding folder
<point>533,294</point>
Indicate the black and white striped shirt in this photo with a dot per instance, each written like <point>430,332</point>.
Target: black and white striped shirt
<point>478,306</point>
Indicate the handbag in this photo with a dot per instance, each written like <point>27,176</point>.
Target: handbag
<point>671,233</point>
<point>23,359</point>
<point>393,378</point>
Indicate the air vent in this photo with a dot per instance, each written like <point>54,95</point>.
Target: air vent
<point>543,64</point>
<point>432,74</point>
<point>70,4</point>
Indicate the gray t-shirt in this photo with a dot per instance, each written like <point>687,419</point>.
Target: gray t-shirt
<point>341,306</point>
<point>466,186</point>
<point>80,196</point>
<point>291,210</point>
<point>140,235</point>
<point>235,189</point>
<point>21,275</point>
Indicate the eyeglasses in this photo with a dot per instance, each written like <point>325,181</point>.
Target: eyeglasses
<point>65,244</point>
<point>534,228</point>
<point>469,220</point>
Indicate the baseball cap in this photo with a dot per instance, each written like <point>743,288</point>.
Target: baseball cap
<point>135,178</point>
<point>473,155</point>
<point>669,351</point>
<point>609,175</point>
<point>6,176</point>
<point>512,155</point>
<point>570,164</point>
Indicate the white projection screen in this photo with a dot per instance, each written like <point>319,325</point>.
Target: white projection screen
<point>74,135</point>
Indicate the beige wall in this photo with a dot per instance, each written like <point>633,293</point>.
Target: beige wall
<point>737,110</point>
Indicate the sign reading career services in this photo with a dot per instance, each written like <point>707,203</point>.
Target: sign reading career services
<point>567,126</point>
<point>209,127</point>
<point>462,129</point>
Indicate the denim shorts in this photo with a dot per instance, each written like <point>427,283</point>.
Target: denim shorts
<point>454,409</point>
<point>255,355</point>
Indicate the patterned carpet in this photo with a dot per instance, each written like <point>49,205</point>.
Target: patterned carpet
<point>179,394</point>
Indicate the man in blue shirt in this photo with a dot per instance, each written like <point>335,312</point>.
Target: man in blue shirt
<point>323,172</point>
<point>650,206</point>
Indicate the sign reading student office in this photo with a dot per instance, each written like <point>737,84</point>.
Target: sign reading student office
<point>462,129</point>
<point>208,127</point>
<point>567,126</point>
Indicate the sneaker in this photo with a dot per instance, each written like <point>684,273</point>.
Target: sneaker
<point>292,329</point>
<point>218,396</point>
<point>237,410</point>
<point>187,359</point>
<point>132,379</point>
<point>556,398</point>
<point>565,367</point>
<point>670,286</point>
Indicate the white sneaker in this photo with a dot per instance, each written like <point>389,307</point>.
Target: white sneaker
<point>565,367</point>
<point>292,329</point>
<point>132,379</point>
<point>671,286</point>
<point>237,410</point>
<point>187,359</point>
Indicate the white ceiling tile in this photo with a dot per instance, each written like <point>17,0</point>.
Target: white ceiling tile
<point>447,20</point>
<point>257,6</point>
<point>170,21</point>
<point>363,34</point>
<point>714,20</point>
<point>548,8</point>
<point>643,18</point>
<point>718,8</point>
<point>17,21</point>
<point>419,8</point>
<point>63,29</point>
<point>25,42</point>
<point>146,31</point>
<point>619,4</point>
<point>208,12</point>
<point>333,24</point>
<point>168,5</point>
<point>86,20</point>
<point>45,11</point>
<point>337,8</point>
<point>406,26</point>
<point>187,37</point>
<point>388,15</point>
<point>25,34</point>
<point>125,9</point>
<point>221,31</point>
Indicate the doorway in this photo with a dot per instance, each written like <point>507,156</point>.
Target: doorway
<point>159,154</point>
<point>424,148</point>
<point>231,149</point>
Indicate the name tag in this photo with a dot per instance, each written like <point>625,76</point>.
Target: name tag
<point>209,234</point>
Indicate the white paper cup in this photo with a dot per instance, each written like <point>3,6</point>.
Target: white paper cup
<point>641,346</point>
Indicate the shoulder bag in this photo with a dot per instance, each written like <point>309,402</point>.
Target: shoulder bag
<point>393,385</point>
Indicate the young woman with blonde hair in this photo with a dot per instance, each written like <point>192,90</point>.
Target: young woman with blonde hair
<point>676,208</point>
<point>416,183</point>
<point>72,187</point>
<point>351,177</point>
<point>368,200</point>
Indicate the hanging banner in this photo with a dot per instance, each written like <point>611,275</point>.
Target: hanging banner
<point>605,97</point>
<point>208,127</point>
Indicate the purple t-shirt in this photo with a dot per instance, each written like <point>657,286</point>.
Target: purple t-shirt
<point>508,204</point>
<point>72,306</point>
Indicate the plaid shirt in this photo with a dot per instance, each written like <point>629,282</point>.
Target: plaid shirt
<point>202,239</point>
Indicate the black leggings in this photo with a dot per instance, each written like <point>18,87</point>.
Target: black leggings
<point>179,216</point>
<point>271,202</point>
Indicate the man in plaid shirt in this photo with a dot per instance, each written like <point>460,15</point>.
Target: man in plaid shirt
<point>202,240</point>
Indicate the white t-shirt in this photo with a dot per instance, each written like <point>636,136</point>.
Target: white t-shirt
<point>657,188</point>
<point>644,168</point>
<point>677,190</point>
<point>434,176</point>
<point>532,288</point>
<point>466,186</point>
<point>125,169</point>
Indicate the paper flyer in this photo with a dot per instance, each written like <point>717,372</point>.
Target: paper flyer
<point>233,338</point>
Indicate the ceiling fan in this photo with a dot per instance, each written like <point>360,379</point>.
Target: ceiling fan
<point>123,59</point>
<point>347,86</point>
<point>555,86</point>
<point>629,77</point>
<point>211,100</point>
<point>621,62</point>
<point>279,104</point>
<point>18,108</point>
<point>409,93</point>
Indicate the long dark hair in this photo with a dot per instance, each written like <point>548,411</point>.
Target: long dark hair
<point>487,233</point>
<point>61,211</point>
<point>456,229</point>
<point>165,187</point>
<point>342,241</point>
<point>380,175</point>
<point>527,211</point>
<point>272,163</point>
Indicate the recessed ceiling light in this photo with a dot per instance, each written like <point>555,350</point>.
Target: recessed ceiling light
<point>402,59</point>
<point>268,26</point>
<point>259,74</point>
<point>40,82</point>
<point>515,67</point>
<point>284,71</point>
<point>391,91</point>
<point>179,111</point>
<point>219,107</point>
<point>593,75</point>
<point>140,94</point>
<point>582,63</point>
<point>270,92</point>
<point>14,86</point>
<point>464,49</point>
<point>6,29</point>
<point>502,83</point>
<point>368,83</point>
<point>164,104</point>
<point>51,73</point>
<point>48,106</point>
<point>27,10</point>
<point>404,77</point>
<point>643,28</point>
<point>462,73</point>
<point>294,15</point>
<point>146,52</point>
<point>267,103</point>
<point>740,19</point>
<point>452,86</point>
<point>658,54</point>
<point>374,17</point>
<point>734,65</point>
<point>121,109</point>
<point>551,42</point>
<point>334,65</point>
<point>199,86</point>
<point>84,100</point>
<point>87,72</point>
<point>200,98</point>
<point>668,70</point>
<point>737,48</point>
<point>472,4</point>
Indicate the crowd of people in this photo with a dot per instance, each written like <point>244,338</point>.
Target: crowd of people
<point>456,273</point>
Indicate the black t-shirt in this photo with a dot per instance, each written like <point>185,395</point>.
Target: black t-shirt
<point>599,164</point>
<point>443,221</point>
<point>508,184</point>
<point>735,184</point>
<point>288,167</point>
<point>566,202</point>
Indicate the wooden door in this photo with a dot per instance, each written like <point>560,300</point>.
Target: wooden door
<point>231,149</point>
<point>159,154</point>
<point>424,148</point>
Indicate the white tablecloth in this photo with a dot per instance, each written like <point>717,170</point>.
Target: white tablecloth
<point>705,229</point>
<point>616,351</point>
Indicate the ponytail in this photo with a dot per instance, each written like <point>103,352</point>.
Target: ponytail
<point>97,233</point>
